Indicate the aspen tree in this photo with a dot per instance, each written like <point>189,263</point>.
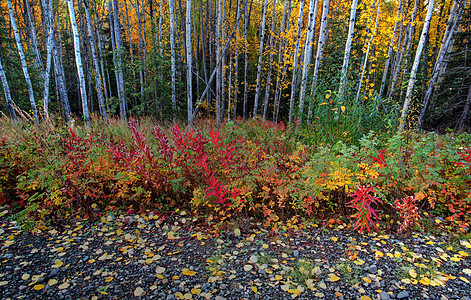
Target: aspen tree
<point>23,61</point>
<point>307,55</point>
<point>367,53</point>
<point>119,60</point>
<point>295,63</point>
<point>37,60</point>
<point>78,61</point>
<point>413,73</point>
<point>246,58</point>
<point>453,21</point>
<point>172,58</point>
<point>270,61</point>
<point>6,90</point>
<point>320,45</point>
<point>348,46</point>
<point>260,58</point>
<point>189,57</point>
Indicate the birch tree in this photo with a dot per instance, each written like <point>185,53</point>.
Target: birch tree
<point>101,101</point>
<point>413,73</point>
<point>270,61</point>
<point>189,58</point>
<point>6,90</point>
<point>23,61</point>
<point>260,58</point>
<point>295,63</point>
<point>320,46</point>
<point>348,46</point>
<point>119,60</point>
<point>78,61</point>
<point>307,54</point>
<point>172,58</point>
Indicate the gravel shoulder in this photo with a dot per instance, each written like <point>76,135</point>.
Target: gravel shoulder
<point>142,256</point>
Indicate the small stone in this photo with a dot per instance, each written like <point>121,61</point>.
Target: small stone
<point>373,269</point>
<point>443,297</point>
<point>170,297</point>
<point>384,296</point>
<point>403,295</point>
<point>296,253</point>
<point>220,298</point>
<point>253,259</point>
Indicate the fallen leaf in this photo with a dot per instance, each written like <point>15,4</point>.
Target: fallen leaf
<point>25,276</point>
<point>52,282</point>
<point>467,271</point>
<point>333,277</point>
<point>425,281</point>
<point>188,272</point>
<point>367,279</point>
<point>412,273</point>
<point>464,279</point>
<point>64,286</point>
<point>2,283</point>
<point>254,289</point>
<point>247,268</point>
<point>334,239</point>
<point>38,287</point>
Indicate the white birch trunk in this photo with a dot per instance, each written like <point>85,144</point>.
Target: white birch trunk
<point>6,90</point>
<point>189,57</point>
<point>119,60</point>
<point>320,46</point>
<point>47,73</point>
<point>413,73</point>
<point>38,63</point>
<point>172,58</point>
<point>101,101</point>
<point>307,55</point>
<point>348,46</point>
<point>295,64</point>
<point>270,62</point>
<point>78,61</point>
<point>367,53</point>
<point>260,58</point>
<point>23,61</point>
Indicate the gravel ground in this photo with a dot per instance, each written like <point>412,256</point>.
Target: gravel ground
<point>139,256</point>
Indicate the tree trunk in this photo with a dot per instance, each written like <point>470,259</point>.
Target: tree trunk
<point>260,58</point>
<point>390,50</point>
<point>246,58</point>
<point>119,60</point>
<point>464,115</point>
<point>453,21</point>
<point>47,72</point>
<point>37,55</point>
<point>23,61</point>
<point>307,54</point>
<point>295,64</point>
<point>236,67</point>
<point>413,73</point>
<point>6,90</point>
<point>78,61</point>
<point>320,46</point>
<point>348,45</point>
<point>172,58</point>
<point>367,53</point>
<point>101,101</point>
<point>189,58</point>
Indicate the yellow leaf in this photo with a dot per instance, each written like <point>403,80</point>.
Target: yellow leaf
<point>334,239</point>
<point>379,254</point>
<point>365,298</point>
<point>333,277</point>
<point>278,277</point>
<point>425,281</point>
<point>342,108</point>
<point>254,289</point>
<point>467,271</point>
<point>412,273</point>
<point>464,279</point>
<point>119,231</point>
<point>359,262</point>
<point>188,272</point>
<point>367,279</point>
<point>38,287</point>
<point>195,291</point>
<point>414,281</point>
<point>463,254</point>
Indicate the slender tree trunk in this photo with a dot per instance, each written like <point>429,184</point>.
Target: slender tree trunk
<point>141,49</point>
<point>246,58</point>
<point>23,61</point>
<point>119,60</point>
<point>367,53</point>
<point>236,67</point>
<point>348,46</point>
<point>453,21</point>
<point>270,61</point>
<point>295,64</point>
<point>37,60</point>
<point>413,73</point>
<point>172,58</point>
<point>320,46</point>
<point>281,51</point>
<point>260,58</point>
<point>47,73</point>
<point>189,57</point>
<point>307,55</point>
<point>78,61</point>
<point>390,50</point>
<point>6,90</point>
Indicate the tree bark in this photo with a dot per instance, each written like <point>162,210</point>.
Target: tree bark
<point>37,60</point>
<point>189,58</point>
<point>348,46</point>
<point>23,61</point>
<point>260,58</point>
<point>307,55</point>
<point>78,62</point>
<point>464,115</point>
<point>6,90</point>
<point>119,60</point>
<point>295,63</point>
<point>413,73</point>
<point>172,58</point>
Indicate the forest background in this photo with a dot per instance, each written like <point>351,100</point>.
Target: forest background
<point>347,77</point>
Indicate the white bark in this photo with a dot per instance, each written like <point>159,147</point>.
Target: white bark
<point>23,61</point>
<point>78,61</point>
<point>295,64</point>
<point>307,55</point>
<point>270,62</point>
<point>6,90</point>
<point>367,53</point>
<point>101,101</point>
<point>260,58</point>
<point>320,46</point>
<point>172,57</point>
<point>413,73</point>
<point>348,46</point>
<point>189,58</point>
<point>119,60</point>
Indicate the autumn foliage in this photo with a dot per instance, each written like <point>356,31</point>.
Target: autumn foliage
<point>251,170</point>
